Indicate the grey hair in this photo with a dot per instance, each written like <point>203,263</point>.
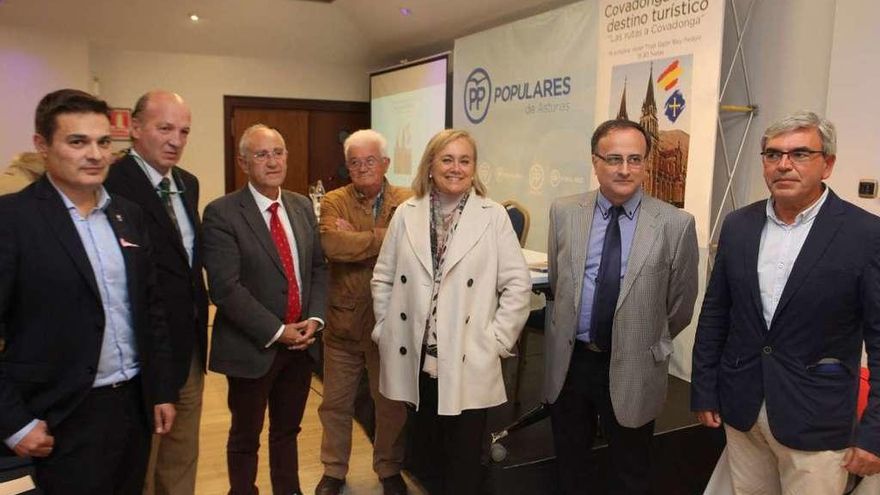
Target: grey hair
<point>365,137</point>
<point>804,119</point>
<point>246,136</point>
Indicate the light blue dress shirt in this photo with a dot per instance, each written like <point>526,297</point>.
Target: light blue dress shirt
<point>183,222</point>
<point>781,244</point>
<point>627,222</point>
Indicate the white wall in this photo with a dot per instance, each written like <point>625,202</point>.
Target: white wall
<point>788,55</point>
<point>203,80</point>
<point>852,98</point>
<point>31,65</point>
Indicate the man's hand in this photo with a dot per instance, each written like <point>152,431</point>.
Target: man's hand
<point>37,443</point>
<point>342,224</point>
<point>163,416</point>
<point>709,418</point>
<point>298,336</point>
<point>861,462</point>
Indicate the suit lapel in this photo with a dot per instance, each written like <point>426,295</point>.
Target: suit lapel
<point>751,244</point>
<point>579,224</point>
<point>826,225</point>
<point>58,217</point>
<point>299,223</point>
<point>120,225</point>
<point>145,195</point>
<point>471,225</point>
<point>254,219</point>
<point>643,241</point>
<point>418,229</point>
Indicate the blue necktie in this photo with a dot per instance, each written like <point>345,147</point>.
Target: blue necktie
<point>607,284</point>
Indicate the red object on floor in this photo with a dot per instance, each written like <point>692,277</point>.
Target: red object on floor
<point>864,387</point>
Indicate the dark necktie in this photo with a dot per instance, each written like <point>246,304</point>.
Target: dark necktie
<point>165,195</point>
<point>280,239</point>
<point>607,283</point>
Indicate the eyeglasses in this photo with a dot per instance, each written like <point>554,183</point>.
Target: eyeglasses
<point>617,160</point>
<point>369,162</point>
<point>264,155</point>
<point>772,156</point>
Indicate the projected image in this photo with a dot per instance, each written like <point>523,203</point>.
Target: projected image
<point>408,106</point>
<point>656,93</point>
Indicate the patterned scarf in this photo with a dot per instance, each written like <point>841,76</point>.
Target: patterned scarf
<point>442,229</point>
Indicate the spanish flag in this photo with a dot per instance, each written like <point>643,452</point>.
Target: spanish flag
<point>669,77</point>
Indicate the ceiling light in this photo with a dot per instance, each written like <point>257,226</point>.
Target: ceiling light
<point>194,17</point>
<point>405,11</point>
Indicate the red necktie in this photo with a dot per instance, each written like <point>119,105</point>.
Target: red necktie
<point>280,238</point>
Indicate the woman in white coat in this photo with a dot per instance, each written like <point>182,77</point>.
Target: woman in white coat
<point>451,295</point>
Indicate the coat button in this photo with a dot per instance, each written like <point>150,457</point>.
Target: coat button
<point>402,351</point>
<point>403,316</point>
<point>403,278</point>
<point>284,290</point>
<point>767,349</point>
<point>470,282</point>
<point>90,370</point>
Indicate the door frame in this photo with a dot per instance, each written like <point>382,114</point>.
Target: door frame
<point>232,102</point>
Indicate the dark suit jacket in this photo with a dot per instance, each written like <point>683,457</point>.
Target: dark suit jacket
<point>182,287</point>
<point>830,304</point>
<point>51,313</point>
<point>247,281</point>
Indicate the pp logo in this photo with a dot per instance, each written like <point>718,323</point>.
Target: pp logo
<point>536,177</point>
<point>477,90</point>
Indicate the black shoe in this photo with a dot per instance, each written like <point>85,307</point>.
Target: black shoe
<point>394,485</point>
<point>329,486</point>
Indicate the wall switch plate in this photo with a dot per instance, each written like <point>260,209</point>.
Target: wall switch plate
<point>867,188</point>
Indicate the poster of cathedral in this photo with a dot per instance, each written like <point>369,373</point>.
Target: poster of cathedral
<point>657,94</point>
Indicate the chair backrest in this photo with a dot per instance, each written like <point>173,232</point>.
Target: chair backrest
<point>519,217</point>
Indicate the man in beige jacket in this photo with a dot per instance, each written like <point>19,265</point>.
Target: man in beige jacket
<point>353,223</point>
<point>24,169</point>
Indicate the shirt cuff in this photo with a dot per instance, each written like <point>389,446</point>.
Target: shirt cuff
<point>18,436</point>
<point>320,323</point>
<point>276,336</point>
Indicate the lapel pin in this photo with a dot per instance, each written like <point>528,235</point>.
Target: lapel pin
<point>118,217</point>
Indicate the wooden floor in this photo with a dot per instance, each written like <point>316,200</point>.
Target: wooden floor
<point>212,476</point>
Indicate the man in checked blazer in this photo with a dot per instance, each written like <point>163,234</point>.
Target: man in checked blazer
<point>268,278</point>
<point>609,334</point>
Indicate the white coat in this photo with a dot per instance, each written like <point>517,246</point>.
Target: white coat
<point>482,305</point>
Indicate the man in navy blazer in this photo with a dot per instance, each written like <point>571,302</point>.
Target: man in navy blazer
<point>150,176</point>
<point>794,293</point>
<point>86,358</point>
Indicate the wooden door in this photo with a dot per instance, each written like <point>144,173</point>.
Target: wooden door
<point>294,128</point>
<point>313,131</point>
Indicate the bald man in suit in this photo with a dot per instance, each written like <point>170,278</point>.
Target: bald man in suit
<point>268,278</point>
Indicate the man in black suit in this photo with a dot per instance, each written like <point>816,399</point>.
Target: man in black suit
<point>794,294</point>
<point>86,359</point>
<point>268,278</point>
<point>150,176</point>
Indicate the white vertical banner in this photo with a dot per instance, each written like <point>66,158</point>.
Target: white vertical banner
<point>659,64</point>
<point>525,91</point>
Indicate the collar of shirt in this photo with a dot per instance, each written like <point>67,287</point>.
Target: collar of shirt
<point>805,216</point>
<point>103,197</point>
<point>629,207</point>
<point>377,202</point>
<point>152,174</point>
<point>263,203</point>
